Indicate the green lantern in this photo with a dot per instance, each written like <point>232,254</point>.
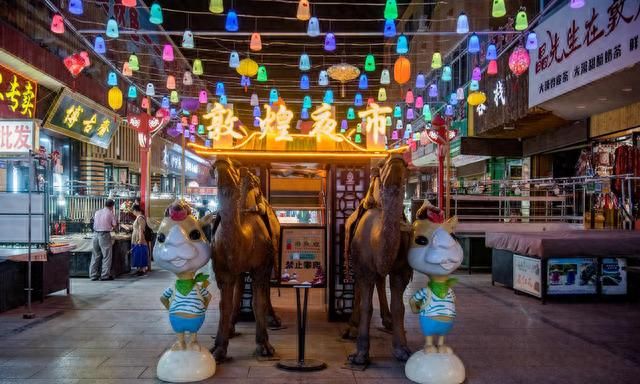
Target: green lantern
<point>197,67</point>
<point>262,74</point>
<point>174,97</point>
<point>200,129</point>
<point>351,114</point>
<point>358,139</point>
<point>134,65</point>
<point>391,10</point>
<point>521,20</point>
<point>359,128</point>
<point>426,113</point>
<point>370,63</point>
<point>388,123</point>
<point>498,9</point>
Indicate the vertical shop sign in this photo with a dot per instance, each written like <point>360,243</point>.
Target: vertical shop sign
<point>16,136</point>
<point>578,46</point>
<point>302,256</point>
<point>17,95</point>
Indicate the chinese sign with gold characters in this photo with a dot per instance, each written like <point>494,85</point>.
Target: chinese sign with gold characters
<point>17,95</point>
<point>16,136</point>
<point>75,116</point>
<point>276,123</point>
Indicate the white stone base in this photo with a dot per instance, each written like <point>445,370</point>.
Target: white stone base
<point>434,368</point>
<point>186,366</point>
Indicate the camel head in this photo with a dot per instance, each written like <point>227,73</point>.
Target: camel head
<point>181,245</point>
<point>433,249</point>
<point>393,174</point>
<point>228,177</point>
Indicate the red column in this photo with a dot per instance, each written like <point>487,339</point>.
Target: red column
<point>145,177</point>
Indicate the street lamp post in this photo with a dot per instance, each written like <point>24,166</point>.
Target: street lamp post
<point>441,135</point>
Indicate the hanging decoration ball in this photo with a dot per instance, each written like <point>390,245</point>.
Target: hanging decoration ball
<point>446,73</point>
<point>167,52</point>
<point>262,74</point>
<point>231,24</point>
<point>304,11</point>
<point>385,78</point>
<point>402,45</point>
<point>306,102</point>
<point>532,41</point>
<point>247,67</point>
<point>150,90</point>
<point>273,96</point>
<point>408,97</point>
<point>519,61</point>
<point>256,42</point>
<point>426,113</point>
<point>498,8</point>
<point>197,67</point>
<point>305,62</point>
<point>155,14</point>
<point>474,85</point>
<point>234,59</point>
<point>363,83</point>
<point>397,111</point>
<point>304,114</point>
<point>433,91</point>
<point>436,60</point>
<point>351,113</point>
<point>57,24</point>
<point>219,89</point>
<point>171,82</point>
<point>330,42</point>
<point>187,79</point>
<point>476,74</point>
<point>474,44</point>
<point>187,39</point>
<point>448,110</point>
<point>216,6</point>
<point>323,78</point>
<point>409,115</point>
<point>254,100</point>
<point>420,81</point>
<point>304,82</point>
<point>133,92</point>
<point>402,70</point>
<point>203,97</point>
<point>522,22</point>
<point>99,46</point>
<point>419,102</point>
<point>370,63</point>
<point>391,10</point>
<point>460,94</point>
<point>75,7</point>
<point>126,71</point>
<point>492,68</point>
<point>382,94</point>
<point>357,100</point>
<point>114,98</point>
<point>463,23</point>
<point>112,29</point>
<point>389,28</point>
<point>575,4</point>
<point>145,103</point>
<point>492,52</point>
<point>476,98</point>
<point>328,96</point>
<point>256,111</point>
<point>223,99</point>
<point>313,29</point>
<point>112,79</point>
<point>453,99</point>
<point>134,64</point>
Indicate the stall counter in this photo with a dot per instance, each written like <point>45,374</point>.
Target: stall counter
<point>83,247</point>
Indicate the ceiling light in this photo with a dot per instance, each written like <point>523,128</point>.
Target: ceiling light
<point>627,89</point>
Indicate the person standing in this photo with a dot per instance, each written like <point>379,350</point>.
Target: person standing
<point>104,221</point>
<point>139,247</point>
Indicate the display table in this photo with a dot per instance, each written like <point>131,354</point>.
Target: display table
<point>563,262</point>
<point>80,257</point>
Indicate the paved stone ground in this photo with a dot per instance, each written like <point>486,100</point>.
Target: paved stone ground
<point>114,332</point>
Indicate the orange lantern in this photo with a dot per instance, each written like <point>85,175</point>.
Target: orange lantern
<point>402,70</point>
<point>171,82</point>
<point>256,42</point>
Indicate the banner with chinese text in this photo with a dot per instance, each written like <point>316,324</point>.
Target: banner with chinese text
<point>16,136</point>
<point>17,95</point>
<point>302,256</point>
<point>76,116</point>
<point>578,46</point>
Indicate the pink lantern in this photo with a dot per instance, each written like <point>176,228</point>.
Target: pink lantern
<point>202,98</point>
<point>167,53</point>
<point>419,102</point>
<point>194,120</point>
<point>476,74</point>
<point>408,97</point>
<point>57,24</point>
<point>370,101</point>
<point>519,61</point>
<point>145,103</point>
<point>492,69</point>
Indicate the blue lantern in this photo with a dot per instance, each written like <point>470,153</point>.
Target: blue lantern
<point>207,143</point>
<point>344,126</point>
<point>330,42</point>
<point>245,81</point>
<point>357,100</point>
<point>306,102</point>
<point>446,73</point>
<point>474,44</point>
<point>273,96</point>
<point>223,99</point>
<point>420,81</point>
<point>173,113</point>
<point>133,92</point>
<point>305,62</point>
<point>99,45</point>
<point>402,45</point>
<point>492,52</point>
<point>112,28</point>
<point>474,85</point>
<point>532,41</point>
<point>165,102</point>
<point>448,111</point>
<point>304,82</point>
<point>462,26</point>
<point>234,59</point>
<point>410,114</point>
<point>219,89</point>
<point>389,28</point>
<point>453,99</point>
<point>364,82</point>
<point>397,111</point>
<point>231,24</point>
<point>256,111</point>
<point>328,96</point>
<point>75,7</point>
<point>304,114</point>
<point>155,14</point>
<point>112,79</point>
<point>323,79</point>
<point>313,29</point>
<point>256,122</point>
<point>433,90</point>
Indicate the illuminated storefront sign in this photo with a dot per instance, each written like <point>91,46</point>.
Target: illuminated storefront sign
<point>324,124</point>
<point>172,160</point>
<point>375,125</point>
<point>221,123</point>
<point>17,95</point>
<point>578,46</point>
<point>16,136</point>
<point>80,118</point>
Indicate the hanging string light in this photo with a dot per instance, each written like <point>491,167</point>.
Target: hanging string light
<point>231,24</point>
<point>476,74</point>
<point>273,96</point>
<point>187,40</point>
<point>99,46</point>
<point>474,85</point>
<point>305,62</point>
<point>492,68</point>
<point>402,45</point>
<point>532,41</point>
<point>436,60</point>
<point>498,8</point>
<point>426,113</point>
<point>330,42</point>
<point>382,94</point>
<point>419,102</point>
<point>408,97</point>
<point>304,82</point>
<point>197,67</point>
<point>256,42</point>
<point>433,91</point>
<point>328,96</point>
<point>133,92</point>
<point>370,63</point>
<point>313,29</point>
<point>133,62</point>
<point>351,113</point>
<point>397,111</point>
<point>126,71</point>
<point>522,22</point>
<point>234,59</point>
<point>216,6</point>
<point>150,90</point>
<point>306,102</point>
<point>323,78</point>
<point>129,3</point>
<point>262,74</point>
<point>391,10</point>
<point>453,99</point>
<point>389,29</point>
<point>357,100</point>
<point>446,73</point>
<point>254,100</point>
<point>75,7</point>
<point>462,25</point>
<point>167,53</point>
<point>304,114</point>
<point>304,13</point>
<point>363,83</point>
<point>474,44</point>
<point>460,94</point>
<point>385,78</point>
<point>155,14</point>
<point>171,82</point>
<point>492,52</point>
<point>245,82</point>
<point>112,79</point>
<point>112,29</point>
<point>219,89</point>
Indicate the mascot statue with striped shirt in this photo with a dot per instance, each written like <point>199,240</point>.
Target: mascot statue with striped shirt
<point>434,252</point>
<point>182,248</point>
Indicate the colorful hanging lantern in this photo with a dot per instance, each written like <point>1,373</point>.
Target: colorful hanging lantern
<point>75,7</point>
<point>262,74</point>
<point>419,102</point>
<point>129,3</point>
<point>304,12</point>
<point>519,61</point>
<point>476,98</point>
<point>370,63</point>
<point>328,96</point>
<point>126,70</point>
<point>420,81</point>
<point>492,68</point>
<point>453,99</point>
<point>112,29</point>
<point>402,70</point>
<point>114,98</point>
<point>200,128</point>
<point>426,113</point>
<point>306,102</point>
<point>397,111</point>
<point>112,79</point>
<point>394,135</point>
<point>476,74</point>
<point>351,113</point>
<point>187,79</point>
<point>575,4</point>
<point>436,60</point>
<point>359,128</point>
<point>460,94</point>
<point>313,29</point>
<point>323,78</point>
<point>330,42</point>
<point>532,41</point>
<point>155,14</point>
<point>344,125</point>
<point>402,45</point>
<point>256,111</point>
<point>247,67</point>
<point>474,44</point>
<point>363,83</point>
<point>145,103</point>
<point>165,102</point>
<point>219,89</point>
<point>223,99</point>
<point>388,121</point>
<point>382,94</point>
<point>492,52</point>
<point>187,39</point>
<point>134,64</point>
<point>273,96</point>
<point>462,25</point>
<point>150,90</point>
<point>203,97</point>
<point>409,115</point>
<point>522,22</point>
<point>254,100</point>
<point>216,6</point>
<point>57,24</point>
<point>256,122</point>
<point>234,59</point>
<point>197,67</point>
<point>399,124</point>
<point>256,42</point>
<point>446,73</point>
<point>448,110</point>
<point>389,29</point>
<point>231,24</point>
<point>171,82</point>
<point>498,8</point>
<point>99,46</point>
<point>357,100</point>
<point>358,138</point>
<point>133,92</point>
<point>385,78</point>
<point>433,91</point>
<point>304,82</point>
<point>474,85</point>
<point>167,52</point>
<point>391,10</point>
<point>408,97</point>
<point>305,62</point>
<point>304,114</point>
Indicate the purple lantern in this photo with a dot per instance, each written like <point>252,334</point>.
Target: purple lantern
<point>410,114</point>
<point>256,122</point>
<point>476,74</point>
<point>179,127</point>
<point>433,90</point>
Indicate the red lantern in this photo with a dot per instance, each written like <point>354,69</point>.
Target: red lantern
<point>493,68</point>
<point>402,70</point>
<point>519,61</point>
<point>145,103</point>
<point>75,64</point>
<point>57,24</point>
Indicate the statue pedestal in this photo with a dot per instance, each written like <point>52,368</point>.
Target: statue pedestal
<point>434,368</point>
<point>186,366</point>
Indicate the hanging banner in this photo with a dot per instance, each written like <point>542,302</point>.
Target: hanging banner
<point>17,95</point>
<point>16,136</point>
<point>78,117</point>
<point>578,46</point>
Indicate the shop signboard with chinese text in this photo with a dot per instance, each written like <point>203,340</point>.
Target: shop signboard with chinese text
<point>172,160</point>
<point>17,95</point>
<point>526,275</point>
<point>302,256</point>
<point>578,46</point>
<point>76,116</point>
<point>16,136</point>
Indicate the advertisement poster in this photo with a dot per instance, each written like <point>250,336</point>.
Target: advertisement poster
<point>613,276</point>
<point>526,275</point>
<point>572,276</point>
<point>302,256</point>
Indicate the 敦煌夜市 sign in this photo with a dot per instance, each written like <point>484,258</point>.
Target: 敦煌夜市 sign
<point>578,46</point>
<point>78,117</point>
<point>17,95</point>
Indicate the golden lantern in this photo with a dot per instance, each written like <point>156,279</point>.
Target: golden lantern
<point>114,97</point>
<point>476,98</point>
<point>343,72</point>
<point>247,67</point>
<point>402,70</point>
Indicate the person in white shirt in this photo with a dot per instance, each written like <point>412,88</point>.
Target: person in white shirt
<point>104,221</point>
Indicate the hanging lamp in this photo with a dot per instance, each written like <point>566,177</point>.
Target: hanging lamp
<point>155,14</point>
<point>323,78</point>
<point>114,98</point>
<point>402,45</point>
<point>462,26</point>
<point>385,78</point>
<point>197,67</point>
<point>133,92</point>
<point>391,10</point>
<point>305,62</point>
<point>389,29</point>
<point>492,68</point>
<point>187,79</point>
<point>351,114</point>
<point>330,42</point>
<point>419,102</point>
<point>112,29</point>
<point>234,59</point>
<point>382,94</point>
<point>187,40</point>
<point>216,6</point>
<point>532,41</point>
<point>498,8</point>
<point>304,12</point>
<point>57,24</point>
<point>363,83</point>
<point>357,100</point>
<point>328,96</point>
<point>231,23</point>
<point>133,62</point>
<point>99,46</point>
<point>408,97</point>
<point>436,60</point>
<point>474,44</point>
<point>306,102</point>
<point>446,73</point>
<point>492,52</point>
<point>262,74</point>
<point>167,53</point>
<point>420,81</point>
<point>256,42</point>
<point>112,79</point>
<point>304,82</point>
<point>171,82</point>
<point>219,89</point>
<point>522,22</point>
<point>313,29</point>
<point>150,90</point>
<point>254,100</point>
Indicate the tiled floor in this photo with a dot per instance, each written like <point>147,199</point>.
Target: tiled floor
<point>114,332</point>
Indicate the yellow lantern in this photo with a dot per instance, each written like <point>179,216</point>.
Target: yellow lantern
<point>382,94</point>
<point>476,98</point>
<point>114,98</point>
<point>247,67</point>
<point>402,70</point>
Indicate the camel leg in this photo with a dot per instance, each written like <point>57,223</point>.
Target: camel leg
<point>352,325</point>
<point>224,324</point>
<point>272,319</point>
<point>260,304</point>
<point>238,289</point>
<point>361,356</point>
<point>399,281</point>
<point>385,314</point>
